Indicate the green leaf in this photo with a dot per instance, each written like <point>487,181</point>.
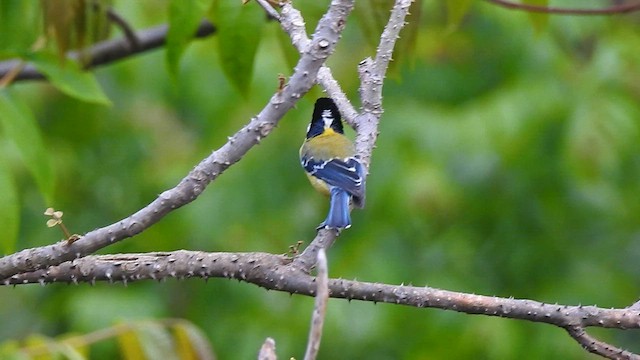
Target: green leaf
<point>11,350</point>
<point>373,15</point>
<point>69,78</point>
<point>17,20</point>
<point>239,31</point>
<point>601,132</point>
<point>290,53</point>
<point>184,18</point>
<point>9,210</point>
<point>539,20</point>
<point>20,127</point>
<point>69,352</point>
<point>456,10</point>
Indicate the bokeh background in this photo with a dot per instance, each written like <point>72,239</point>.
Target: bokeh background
<point>507,164</point>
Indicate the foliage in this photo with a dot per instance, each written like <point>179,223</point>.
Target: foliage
<point>507,164</point>
<point>160,339</point>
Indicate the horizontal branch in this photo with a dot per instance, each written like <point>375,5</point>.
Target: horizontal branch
<point>274,272</point>
<point>109,51</point>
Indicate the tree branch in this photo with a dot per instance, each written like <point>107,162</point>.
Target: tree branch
<point>598,347</point>
<point>324,40</point>
<point>109,51</point>
<point>127,30</point>
<point>67,262</point>
<point>293,24</point>
<point>274,272</point>
<point>372,74</point>
<point>320,308</point>
<point>611,10</point>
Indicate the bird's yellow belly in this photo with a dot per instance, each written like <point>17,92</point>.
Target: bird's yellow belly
<point>319,185</point>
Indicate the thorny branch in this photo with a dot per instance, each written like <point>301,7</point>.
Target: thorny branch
<point>293,24</point>
<point>274,272</point>
<point>63,262</point>
<point>318,50</point>
<point>598,347</point>
<point>372,73</point>
<point>320,308</point>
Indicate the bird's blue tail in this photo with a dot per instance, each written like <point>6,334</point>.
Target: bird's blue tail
<point>338,217</point>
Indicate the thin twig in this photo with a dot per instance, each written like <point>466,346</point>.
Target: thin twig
<point>268,350</point>
<point>129,32</point>
<point>269,9</point>
<point>7,78</point>
<point>109,51</point>
<point>611,10</point>
<point>598,347</point>
<point>320,308</point>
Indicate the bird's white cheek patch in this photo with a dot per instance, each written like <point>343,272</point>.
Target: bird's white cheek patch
<point>327,117</point>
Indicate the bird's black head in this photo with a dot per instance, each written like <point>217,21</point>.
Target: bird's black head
<point>325,117</point>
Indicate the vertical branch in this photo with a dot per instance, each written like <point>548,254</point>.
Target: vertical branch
<point>372,73</point>
<point>320,308</point>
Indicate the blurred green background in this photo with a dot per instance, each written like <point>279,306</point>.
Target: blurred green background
<point>507,164</point>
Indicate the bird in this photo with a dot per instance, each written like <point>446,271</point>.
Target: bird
<point>331,164</point>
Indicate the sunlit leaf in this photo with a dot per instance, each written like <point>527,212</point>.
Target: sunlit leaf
<point>156,342</point>
<point>44,346</point>
<point>69,78</point>
<point>191,342</point>
<point>69,352</point>
<point>76,345</point>
<point>11,350</point>
<point>184,18</point>
<point>21,128</point>
<point>58,18</point>
<point>130,348</point>
<point>239,33</point>
<point>9,210</point>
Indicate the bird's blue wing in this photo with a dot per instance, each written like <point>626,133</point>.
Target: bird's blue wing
<point>347,174</point>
